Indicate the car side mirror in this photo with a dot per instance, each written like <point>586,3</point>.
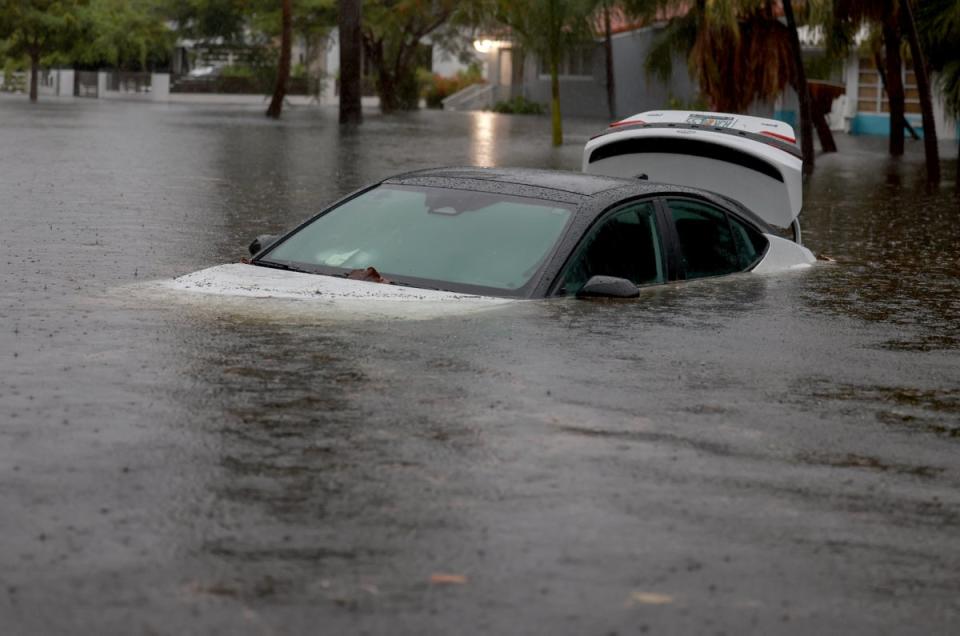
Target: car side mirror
<point>608,287</point>
<point>260,243</point>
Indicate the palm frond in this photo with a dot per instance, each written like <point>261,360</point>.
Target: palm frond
<point>950,87</point>
<point>676,39</point>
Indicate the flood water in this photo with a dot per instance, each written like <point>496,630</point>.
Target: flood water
<point>765,454</point>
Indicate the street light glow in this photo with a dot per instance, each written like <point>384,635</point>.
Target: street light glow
<point>485,46</point>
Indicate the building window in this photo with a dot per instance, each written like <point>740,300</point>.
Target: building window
<point>871,98</point>
<point>576,63</point>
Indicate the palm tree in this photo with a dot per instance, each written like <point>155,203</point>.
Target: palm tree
<point>886,14</point>
<point>939,22</point>
<point>923,88</point>
<point>551,29</point>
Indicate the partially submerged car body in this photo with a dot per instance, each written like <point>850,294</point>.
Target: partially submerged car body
<point>632,218</point>
<point>557,231</point>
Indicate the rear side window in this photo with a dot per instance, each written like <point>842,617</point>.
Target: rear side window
<point>707,245</point>
<point>751,244</point>
<point>625,244</point>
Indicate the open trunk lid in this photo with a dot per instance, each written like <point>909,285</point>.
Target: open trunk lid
<point>750,159</point>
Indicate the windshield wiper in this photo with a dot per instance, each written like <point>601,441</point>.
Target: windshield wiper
<point>284,266</point>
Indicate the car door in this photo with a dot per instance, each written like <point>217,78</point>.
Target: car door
<point>710,241</point>
<point>625,243</point>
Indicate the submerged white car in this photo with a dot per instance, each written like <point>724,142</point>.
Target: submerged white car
<point>635,217</point>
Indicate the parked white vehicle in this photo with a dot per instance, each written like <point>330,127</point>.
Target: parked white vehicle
<point>752,160</point>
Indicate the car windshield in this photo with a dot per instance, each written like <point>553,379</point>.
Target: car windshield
<point>437,234</point>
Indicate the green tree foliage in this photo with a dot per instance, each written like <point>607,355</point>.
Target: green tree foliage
<point>311,19</point>
<point>276,24</point>
<point>550,29</point>
<point>207,20</point>
<point>939,22</point>
<point>122,34</point>
<point>37,28</point>
<point>393,32</point>
<point>254,29</point>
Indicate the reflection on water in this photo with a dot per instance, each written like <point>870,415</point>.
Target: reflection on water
<point>482,138</point>
<point>773,443</point>
<point>897,244</point>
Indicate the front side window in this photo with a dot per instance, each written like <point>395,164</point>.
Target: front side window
<point>435,234</point>
<point>707,247</point>
<point>626,244</point>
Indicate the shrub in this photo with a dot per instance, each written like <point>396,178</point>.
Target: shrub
<point>437,87</point>
<point>237,71</point>
<point>519,105</point>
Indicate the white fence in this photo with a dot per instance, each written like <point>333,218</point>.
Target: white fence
<point>97,84</point>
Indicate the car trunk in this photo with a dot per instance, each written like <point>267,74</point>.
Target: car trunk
<point>752,160</point>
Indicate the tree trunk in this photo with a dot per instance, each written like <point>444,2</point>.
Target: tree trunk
<point>923,88</point>
<point>351,66</point>
<point>387,91</point>
<point>878,62</point>
<point>517,72</point>
<point>34,74</point>
<point>827,142</point>
<point>891,45</point>
<point>283,69</point>
<point>803,91</point>
<point>556,121</point>
<point>396,78</point>
<point>608,50</point>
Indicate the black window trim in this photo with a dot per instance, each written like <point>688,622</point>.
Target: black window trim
<point>761,254</point>
<point>670,238</point>
<point>553,290</point>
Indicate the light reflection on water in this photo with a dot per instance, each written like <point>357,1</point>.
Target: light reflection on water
<point>483,138</point>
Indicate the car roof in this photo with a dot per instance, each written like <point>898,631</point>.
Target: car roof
<point>576,183</point>
<point>559,185</point>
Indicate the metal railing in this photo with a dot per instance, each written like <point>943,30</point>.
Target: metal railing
<point>128,82</point>
<point>85,84</point>
<point>15,82</point>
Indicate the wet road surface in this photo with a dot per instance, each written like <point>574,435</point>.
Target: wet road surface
<point>752,454</point>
